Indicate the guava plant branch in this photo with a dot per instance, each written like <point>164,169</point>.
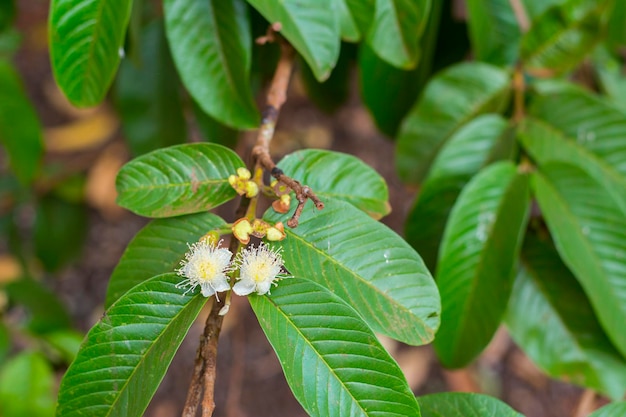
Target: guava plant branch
<point>520,15</point>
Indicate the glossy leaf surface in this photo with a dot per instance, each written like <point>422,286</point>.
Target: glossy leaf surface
<point>178,180</point>
<point>494,31</point>
<point>611,410</point>
<point>126,354</point>
<point>451,99</point>
<point>462,404</point>
<point>478,252</point>
<point>86,39</point>
<point>333,362</point>
<point>368,266</point>
<point>211,46</point>
<point>158,249</point>
<point>345,178</point>
<point>551,319</point>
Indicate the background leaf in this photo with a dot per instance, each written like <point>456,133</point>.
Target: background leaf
<point>610,410</point>
<point>211,46</point>
<point>157,249</point>
<point>178,180</point>
<point>333,362</point>
<point>368,266</point>
<point>357,23</point>
<point>126,354</point>
<point>311,26</point>
<point>478,252</point>
<point>451,99</point>
<point>589,231</point>
<point>212,130</point>
<point>448,404</point>
<point>86,39</point>
<point>346,178</point>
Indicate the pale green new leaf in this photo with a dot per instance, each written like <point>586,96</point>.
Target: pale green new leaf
<point>158,249</point>
<point>126,354</point>
<point>589,231</point>
<point>464,404</point>
<point>476,260</point>
<point>551,319</point>
<point>368,266</point>
<point>86,39</point>
<point>211,46</point>
<point>345,178</point>
<point>311,26</point>
<point>611,410</point>
<point>452,98</point>
<point>333,362</point>
<point>178,180</point>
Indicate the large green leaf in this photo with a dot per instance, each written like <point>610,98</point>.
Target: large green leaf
<point>147,95</point>
<point>368,266</point>
<point>355,18</point>
<point>611,410</point>
<point>211,46</point>
<point>20,130</point>
<point>396,30</point>
<point>562,36</point>
<point>550,317</point>
<point>469,149</point>
<point>345,178</point>
<point>462,404</point>
<point>616,30</point>
<point>333,362</point>
<point>451,99</point>
<point>589,231</point>
<point>610,78</point>
<point>157,249</point>
<point>127,353</point>
<point>178,180</point>
<point>311,26</point>
<point>476,259</point>
<point>494,31</point>
<point>86,39</point>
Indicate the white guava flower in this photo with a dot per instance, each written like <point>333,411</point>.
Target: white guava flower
<point>259,268</point>
<point>205,265</point>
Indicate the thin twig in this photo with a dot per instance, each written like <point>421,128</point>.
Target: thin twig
<point>520,15</point>
<point>211,337</point>
<point>586,403</point>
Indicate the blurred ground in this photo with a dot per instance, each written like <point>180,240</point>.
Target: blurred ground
<point>250,381</point>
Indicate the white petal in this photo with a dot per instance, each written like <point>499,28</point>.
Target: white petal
<point>244,287</point>
<point>206,288</point>
<point>263,287</point>
<point>220,283</point>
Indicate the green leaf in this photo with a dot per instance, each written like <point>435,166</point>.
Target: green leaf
<point>20,130</point>
<point>494,31</point>
<point>451,99</point>
<point>562,36</point>
<point>355,17</point>
<point>616,30</point>
<point>396,30</point>
<point>5,341</point>
<point>178,180</point>
<point>311,26</point>
<point>213,131</point>
<point>476,259</point>
<point>551,319</point>
<point>211,46</point>
<point>7,14</point>
<point>127,353</point>
<point>147,95</point>
<point>86,39</point>
<point>611,410</point>
<point>589,231</point>
<point>449,404</point>
<point>611,80</point>
<point>157,249</point>
<point>467,151</point>
<point>333,362</point>
<point>368,266</point>
<point>346,178</point>
<point>66,343</point>
<point>26,386</point>
<point>347,25</point>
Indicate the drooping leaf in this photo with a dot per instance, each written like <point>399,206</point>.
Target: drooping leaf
<point>465,404</point>
<point>469,149</point>
<point>347,25</point>
<point>345,178</point>
<point>26,386</point>
<point>451,99</point>
<point>311,26</point>
<point>476,260</point>
<point>562,36</point>
<point>158,249</point>
<point>333,362</point>
<point>610,410</point>
<point>396,30</point>
<point>355,18</point>
<point>178,180</point>
<point>551,319</point>
<point>86,39</point>
<point>589,231</point>
<point>211,46</point>
<point>494,31</point>
<point>126,354</point>
<point>368,266</point>
<point>147,95</point>
<point>212,130</point>
<point>20,130</point>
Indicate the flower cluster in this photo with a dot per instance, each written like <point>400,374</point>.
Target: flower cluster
<point>207,265</point>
